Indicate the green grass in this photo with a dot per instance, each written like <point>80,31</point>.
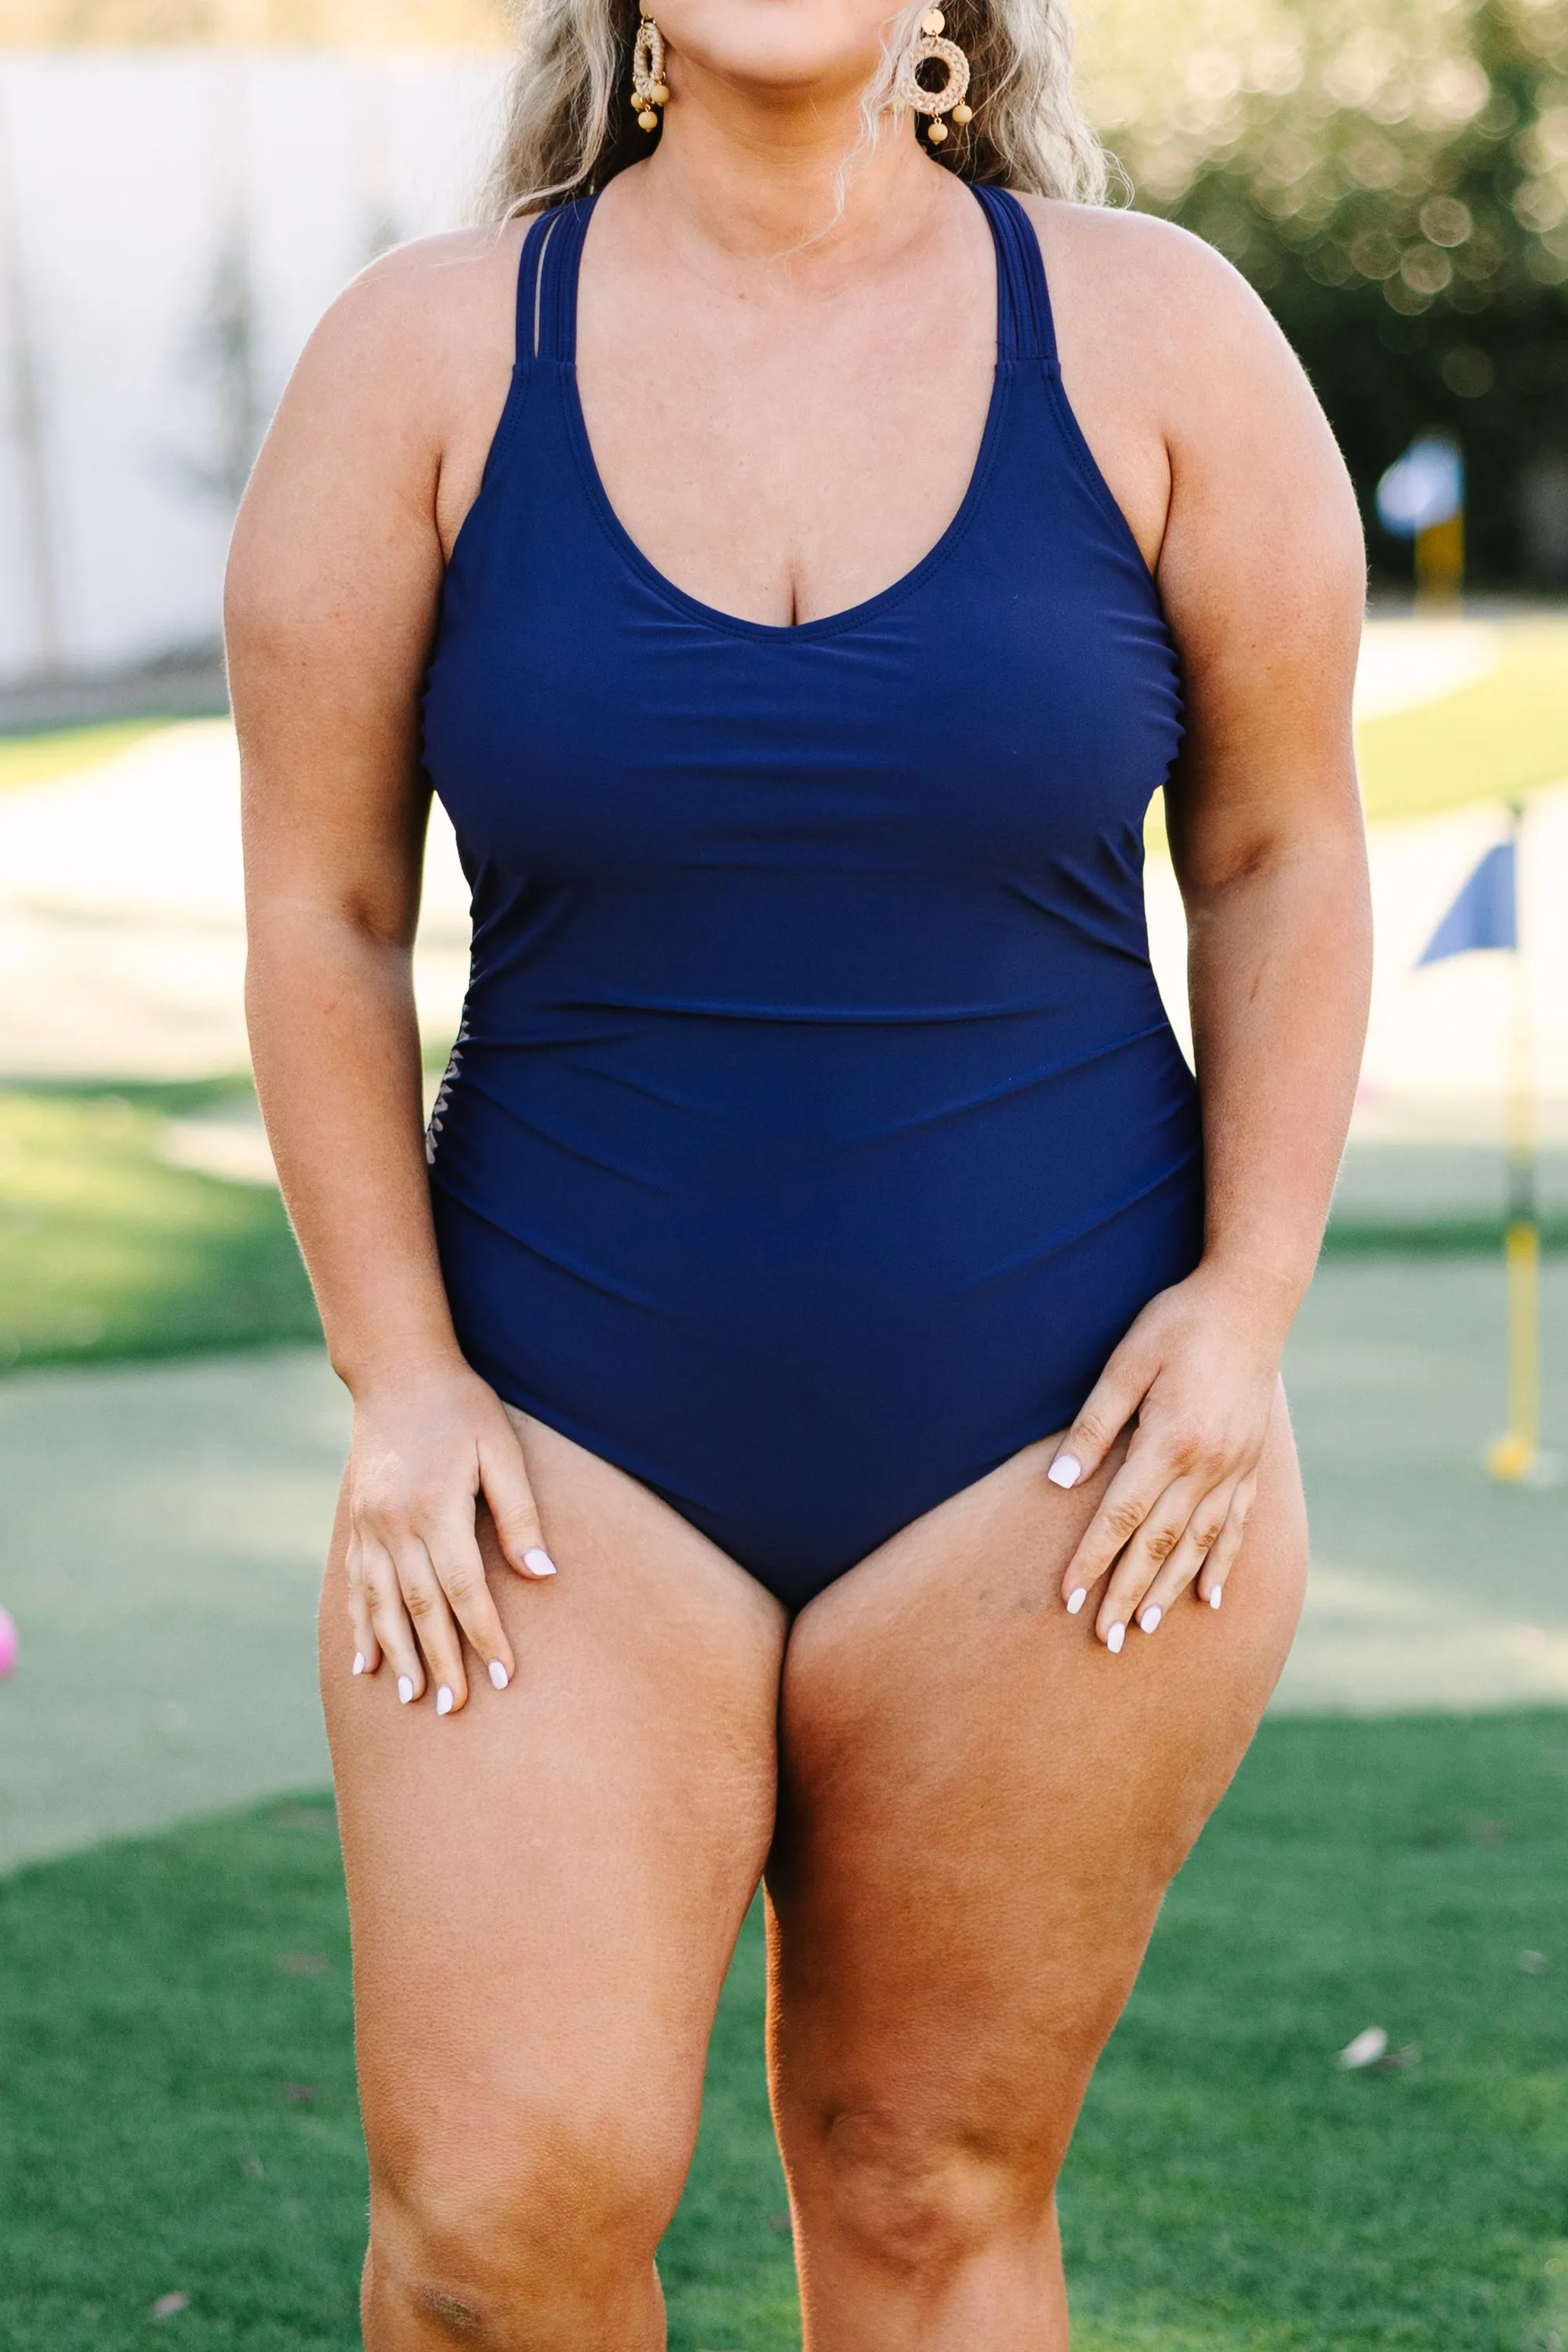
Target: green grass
<point>64,751</point>
<point>1504,736</point>
<point>176,2107</point>
<point>1455,1235</point>
<point>107,1252</point>
<point>1361,1873</point>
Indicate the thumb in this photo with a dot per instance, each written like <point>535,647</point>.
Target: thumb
<point>1105,1414</point>
<point>503,1482</point>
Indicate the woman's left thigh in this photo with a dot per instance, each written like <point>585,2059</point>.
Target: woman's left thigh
<point>981,1809</point>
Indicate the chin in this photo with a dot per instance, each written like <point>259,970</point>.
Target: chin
<point>776,46</point>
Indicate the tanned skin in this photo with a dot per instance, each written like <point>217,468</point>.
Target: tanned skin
<point>968,1796</point>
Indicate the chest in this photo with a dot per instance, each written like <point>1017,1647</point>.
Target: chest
<point>1012,699</point>
<point>706,615</point>
<point>785,455</point>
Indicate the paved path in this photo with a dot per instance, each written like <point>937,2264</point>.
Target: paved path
<point>1432,1586</point>
<point>123,916</point>
<point>1436,1063</point>
<point>160,1551</point>
<point>165,1525</point>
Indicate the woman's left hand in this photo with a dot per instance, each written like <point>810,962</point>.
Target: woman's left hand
<point>1199,1372</point>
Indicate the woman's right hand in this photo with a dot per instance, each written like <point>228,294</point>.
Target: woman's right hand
<point>426,1449</point>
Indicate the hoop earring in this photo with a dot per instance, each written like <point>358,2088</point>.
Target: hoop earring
<point>649,88</point>
<point>934,103</point>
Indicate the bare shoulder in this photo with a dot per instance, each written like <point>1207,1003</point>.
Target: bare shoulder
<point>1162,303</point>
<point>1174,362</point>
<point>381,435</point>
<point>1148,255</point>
<point>421,321</point>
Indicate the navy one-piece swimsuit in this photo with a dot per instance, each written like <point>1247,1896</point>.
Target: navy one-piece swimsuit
<point>815,1130</point>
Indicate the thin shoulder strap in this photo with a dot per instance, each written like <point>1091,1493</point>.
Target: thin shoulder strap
<point>547,283</point>
<point>529,284</point>
<point>1025,327</point>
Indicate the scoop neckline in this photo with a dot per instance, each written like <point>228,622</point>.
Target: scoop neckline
<point>826,623</point>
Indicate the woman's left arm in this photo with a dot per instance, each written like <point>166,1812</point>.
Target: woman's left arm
<point>1262,573</point>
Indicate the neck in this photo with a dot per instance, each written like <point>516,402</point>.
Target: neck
<point>775,178</point>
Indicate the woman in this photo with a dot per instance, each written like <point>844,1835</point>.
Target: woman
<point>819,1262</point>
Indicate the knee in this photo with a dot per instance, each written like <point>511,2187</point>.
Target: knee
<point>541,2236</point>
<point>922,2199</point>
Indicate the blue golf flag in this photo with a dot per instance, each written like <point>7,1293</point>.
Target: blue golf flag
<point>1425,486</point>
<point>1483,914</point>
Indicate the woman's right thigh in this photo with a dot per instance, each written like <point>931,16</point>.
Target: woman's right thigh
<point>545,1891</point>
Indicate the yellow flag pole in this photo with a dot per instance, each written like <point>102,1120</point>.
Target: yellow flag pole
<point>1516,1454</point>
<point>1440,561</point>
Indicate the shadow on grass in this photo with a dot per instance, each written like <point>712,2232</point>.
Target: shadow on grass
<point>107,1251</point>
<point>177,2112</point>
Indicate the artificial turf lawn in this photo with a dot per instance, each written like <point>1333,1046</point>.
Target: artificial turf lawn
<point>59,752</point>
<point>1504,736</point>
<point>1500,737</point>
<point>177,2115</point>
<point>106,1251</point>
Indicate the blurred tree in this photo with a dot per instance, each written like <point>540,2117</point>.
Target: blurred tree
<point>1392,177</point>
<point>224,360</point>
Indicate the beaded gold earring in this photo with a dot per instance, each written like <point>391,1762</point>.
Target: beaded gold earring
<point>934,103</point>
<point>650,91</point>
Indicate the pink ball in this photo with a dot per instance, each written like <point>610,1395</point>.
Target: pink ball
<point>8,1643</point>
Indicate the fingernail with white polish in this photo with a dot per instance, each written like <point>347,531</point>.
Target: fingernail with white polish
<point>405,1688</point>
<point>1114,1639</point>
<point>443,1701</point>
<point>498,1675</point>
<point>1151,1617</point>
<point>359,1662</point>
<point>1076,1601</point>
<point>538,1562</point>
<point>1214,1596</point>
<point>1066,1470</point>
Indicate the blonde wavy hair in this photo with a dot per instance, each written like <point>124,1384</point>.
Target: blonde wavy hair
<point>569,126</point>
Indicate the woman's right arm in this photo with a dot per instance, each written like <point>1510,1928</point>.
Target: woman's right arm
<point>332,589</point>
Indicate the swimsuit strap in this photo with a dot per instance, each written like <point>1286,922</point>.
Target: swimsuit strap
<point>552,252</point>
<point>547,283</point>
<point>529,290</point>
<point>1025,329</point>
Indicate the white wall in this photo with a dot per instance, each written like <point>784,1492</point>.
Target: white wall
<point>172,223</point>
